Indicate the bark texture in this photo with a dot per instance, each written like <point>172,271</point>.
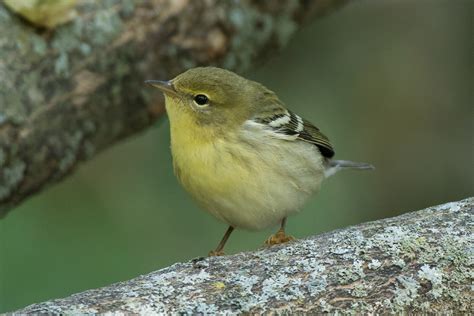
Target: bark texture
<point>68,93</point>
<point>418,262</point>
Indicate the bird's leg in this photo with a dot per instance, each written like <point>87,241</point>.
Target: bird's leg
<point>280,237</point>
<point>220,247</point>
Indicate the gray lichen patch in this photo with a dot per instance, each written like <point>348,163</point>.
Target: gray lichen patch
<point>354,270</point>
<point>405,293</point>
<point>10,176</point>
<point>70,152</point>
<point>254,30</point>
<point>374,264</point>
<point>435,277</point>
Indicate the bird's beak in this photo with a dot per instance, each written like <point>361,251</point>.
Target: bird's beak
<point>165,86</point>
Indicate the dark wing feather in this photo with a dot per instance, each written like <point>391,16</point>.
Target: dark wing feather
<point>272,113</point>
<point>308,133</point>
<point>289,123</point>
<point>313,135</point>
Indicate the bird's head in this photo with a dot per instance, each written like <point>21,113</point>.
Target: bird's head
<point>208,96</point>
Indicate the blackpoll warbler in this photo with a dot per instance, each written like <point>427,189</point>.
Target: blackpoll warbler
<point>242,155</point>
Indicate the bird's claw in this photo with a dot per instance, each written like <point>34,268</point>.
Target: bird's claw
<point>279,238</point>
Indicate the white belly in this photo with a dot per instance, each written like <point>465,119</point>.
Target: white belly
<point>255,185</point>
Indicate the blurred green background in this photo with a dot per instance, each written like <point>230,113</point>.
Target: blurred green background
<point>388,81</point>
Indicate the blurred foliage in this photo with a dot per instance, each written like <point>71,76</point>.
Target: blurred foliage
<point>388,81</point>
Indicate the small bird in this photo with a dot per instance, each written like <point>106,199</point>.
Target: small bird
<point>241,154</point>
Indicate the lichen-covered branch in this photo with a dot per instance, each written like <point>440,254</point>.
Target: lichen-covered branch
<point>418,262</point>
<point>67,93</point>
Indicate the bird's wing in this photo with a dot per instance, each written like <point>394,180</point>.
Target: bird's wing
<point>290,126</point>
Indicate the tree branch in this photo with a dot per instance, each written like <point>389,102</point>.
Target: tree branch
<point>417,262</point>
<point>69,93</point>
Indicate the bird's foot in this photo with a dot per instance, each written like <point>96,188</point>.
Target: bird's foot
<point>214,253</point>
<point>279,238</point>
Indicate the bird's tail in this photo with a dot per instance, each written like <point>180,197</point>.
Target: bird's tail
<point>334,166</point>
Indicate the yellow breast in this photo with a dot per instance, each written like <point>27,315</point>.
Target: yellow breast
<point>197,156</point>
<point>247,183</point>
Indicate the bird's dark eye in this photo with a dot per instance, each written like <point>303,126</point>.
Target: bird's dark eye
<point>201,99</point>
